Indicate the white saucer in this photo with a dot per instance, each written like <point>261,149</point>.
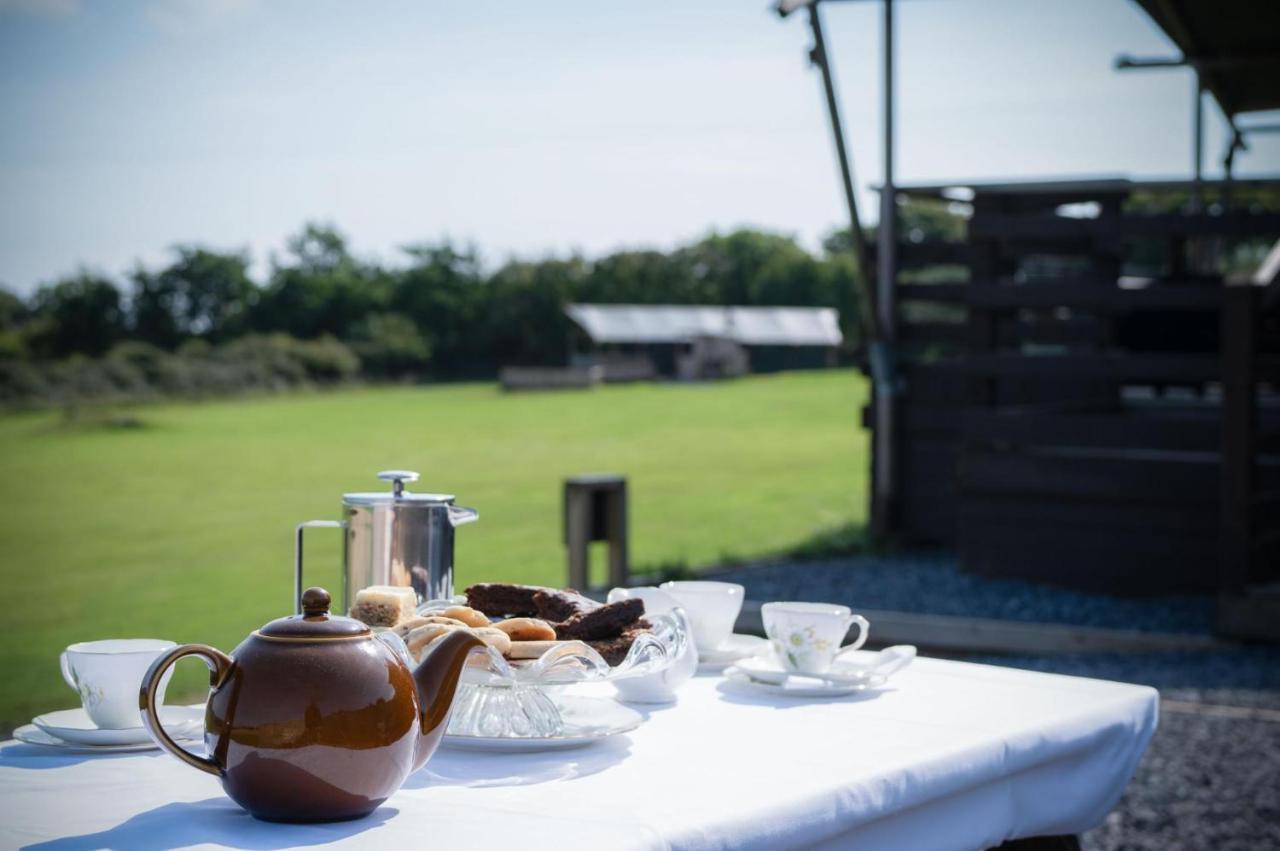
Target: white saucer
<point>734,648</point>
<point>30,734</point>
<point>766,669</point>
<point>795,685</point>
<point>587,720</point>
<point>74,726</point>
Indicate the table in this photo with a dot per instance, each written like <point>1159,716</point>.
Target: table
<point>950,756</point>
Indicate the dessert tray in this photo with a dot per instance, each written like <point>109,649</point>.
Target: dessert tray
<point>585,721</point>
<point>521,700</point>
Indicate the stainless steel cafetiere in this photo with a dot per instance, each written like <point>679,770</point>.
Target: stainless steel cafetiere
<point>396,538</point>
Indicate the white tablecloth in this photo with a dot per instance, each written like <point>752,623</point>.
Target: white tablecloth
<point>950,756</point>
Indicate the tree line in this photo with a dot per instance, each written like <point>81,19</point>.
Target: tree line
<point>202,324</point>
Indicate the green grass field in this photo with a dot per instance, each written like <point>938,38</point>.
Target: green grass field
<point>182,528</point>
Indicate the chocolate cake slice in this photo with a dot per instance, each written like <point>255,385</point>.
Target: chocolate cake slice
<point>615,649</point>
<point>557,606</point>
<point>496,599</point>
<point>601,622</point>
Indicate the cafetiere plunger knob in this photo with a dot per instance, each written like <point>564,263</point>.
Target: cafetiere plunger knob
<point>397,479</point>
<point>315,602</point>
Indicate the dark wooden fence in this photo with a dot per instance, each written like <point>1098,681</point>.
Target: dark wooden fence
<point>1086,402</point>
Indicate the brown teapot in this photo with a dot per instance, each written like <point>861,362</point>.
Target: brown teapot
<point>312,717</point>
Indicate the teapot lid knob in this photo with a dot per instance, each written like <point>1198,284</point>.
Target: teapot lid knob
<point>315,602</point>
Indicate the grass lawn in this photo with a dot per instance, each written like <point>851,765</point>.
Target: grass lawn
<point>182,529</point>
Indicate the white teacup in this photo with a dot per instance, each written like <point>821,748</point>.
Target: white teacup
<point>807,636</point>
<point>712,608</point>
<point>107,675</point>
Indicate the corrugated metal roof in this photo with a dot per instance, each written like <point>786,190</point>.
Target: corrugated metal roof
<point>672,323</point>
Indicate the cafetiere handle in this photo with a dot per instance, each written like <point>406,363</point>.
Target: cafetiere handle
<point>297,555</point>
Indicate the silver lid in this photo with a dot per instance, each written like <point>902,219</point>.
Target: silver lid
<point>398,494</point>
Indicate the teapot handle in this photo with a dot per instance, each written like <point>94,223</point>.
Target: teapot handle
<point>297,556</point>
<point>219,664</point>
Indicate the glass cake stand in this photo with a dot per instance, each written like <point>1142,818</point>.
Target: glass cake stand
<point>503,699</point>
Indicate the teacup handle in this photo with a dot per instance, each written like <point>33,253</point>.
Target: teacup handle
<point>219,665</point>
<point>864,629</point>
<point>67,673</point>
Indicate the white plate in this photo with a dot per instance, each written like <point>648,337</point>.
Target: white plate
<point>735,647</point>
<point>800,686</point>
<point>76,727</point>
<point>766,669</point>
<point>586,720</point>
<point>30,734</point>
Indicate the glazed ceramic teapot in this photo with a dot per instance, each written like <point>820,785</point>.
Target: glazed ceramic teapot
<point>314,717</point>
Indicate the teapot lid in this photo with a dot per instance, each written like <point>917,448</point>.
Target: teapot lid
<point>398,494</point>
<point>315,621</point>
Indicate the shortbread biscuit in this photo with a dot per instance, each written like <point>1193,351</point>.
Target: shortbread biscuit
<point>531,649</point>
<point>527,629</point>
<point>403,628</point>
<point>495,638</point>
<point>467,615</point>
<point>419,639</point>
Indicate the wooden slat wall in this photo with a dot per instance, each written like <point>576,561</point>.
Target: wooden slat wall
<point>1026,440</point>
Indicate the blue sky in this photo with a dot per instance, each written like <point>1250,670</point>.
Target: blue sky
<point>536,128</point>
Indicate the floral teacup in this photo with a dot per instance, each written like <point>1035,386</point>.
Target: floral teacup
<point>807,636</point>
<point>107,676</point>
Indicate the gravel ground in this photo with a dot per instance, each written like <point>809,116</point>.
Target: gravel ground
<point>1211,777</point>
<point>932,583</point>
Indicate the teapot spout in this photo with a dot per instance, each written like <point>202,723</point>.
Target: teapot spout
<point>437,680</point>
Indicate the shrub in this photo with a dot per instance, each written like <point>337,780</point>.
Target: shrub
<point>21,383</point>
<point>134,371</point>
<point>326,360</point>
<point>390,344</point>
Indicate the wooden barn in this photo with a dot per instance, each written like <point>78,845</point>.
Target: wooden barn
<point>1084,388</point>
<point>1070,413</point>
<point>709,341</point>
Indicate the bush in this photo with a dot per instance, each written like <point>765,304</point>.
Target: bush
<point>21,383</point>
<point>278,361</point>
<point>389,344</point>
<point>326,360</point>
<point>135,371</point>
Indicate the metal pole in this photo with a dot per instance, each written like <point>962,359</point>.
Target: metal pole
<point>1197,190</point>
<point>1234,143</point>
<point>887,231</point>
<point>886,274</point>
<point>818,56</point>
<point>878,353</point>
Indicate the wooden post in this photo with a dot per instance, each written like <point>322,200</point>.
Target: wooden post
<point>617,529</point>
<point>595,509</point>
<point>1239,416</point>
<point>577,536</point>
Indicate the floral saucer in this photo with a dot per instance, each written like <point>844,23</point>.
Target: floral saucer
<point>797,685</point>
